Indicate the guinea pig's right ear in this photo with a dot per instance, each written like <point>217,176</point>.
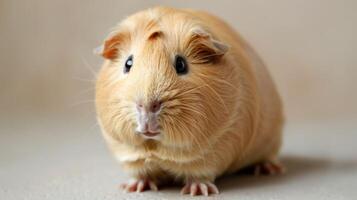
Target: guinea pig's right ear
<point>110,48</point>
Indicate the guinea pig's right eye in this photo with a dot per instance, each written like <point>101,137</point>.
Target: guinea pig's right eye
<point>128,64</point>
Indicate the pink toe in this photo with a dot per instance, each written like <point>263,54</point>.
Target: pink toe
<point>203,189</point>
<point>212,188</point>
<point>193,189</point>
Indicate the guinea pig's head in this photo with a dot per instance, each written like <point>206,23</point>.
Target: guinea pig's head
<point>164,80</point>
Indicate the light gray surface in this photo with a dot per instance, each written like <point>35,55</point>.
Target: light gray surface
<point>67,159</point>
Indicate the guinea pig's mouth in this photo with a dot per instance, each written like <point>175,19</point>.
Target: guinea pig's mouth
<point>150,134</point>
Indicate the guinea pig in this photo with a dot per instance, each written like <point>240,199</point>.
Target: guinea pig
<point>181,96</point>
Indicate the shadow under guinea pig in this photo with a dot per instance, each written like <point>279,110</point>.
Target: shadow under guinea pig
<point>297,167</point>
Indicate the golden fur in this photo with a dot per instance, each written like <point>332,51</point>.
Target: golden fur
<point>223,115</point>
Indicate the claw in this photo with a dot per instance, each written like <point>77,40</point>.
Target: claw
<point>269,168</point>
<point>197,188</point>
<point>212,188</point>
<point>139,185</point>
<point>204,189</point>
<point>193,189</point>
<point>185,189</point>
<point>153,186</point>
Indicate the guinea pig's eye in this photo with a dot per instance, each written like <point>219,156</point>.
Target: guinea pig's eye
<point>181,65</point>
<point>128,64</point>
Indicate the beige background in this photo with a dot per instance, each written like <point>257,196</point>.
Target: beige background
<point>47,62</point>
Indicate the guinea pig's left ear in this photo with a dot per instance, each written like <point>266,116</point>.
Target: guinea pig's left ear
<point>110,48</point>
<point>203,48</point>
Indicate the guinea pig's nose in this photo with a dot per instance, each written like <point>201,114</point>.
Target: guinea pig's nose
<point>153,106</point>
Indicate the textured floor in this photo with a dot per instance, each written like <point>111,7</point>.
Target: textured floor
<point>67,159</point>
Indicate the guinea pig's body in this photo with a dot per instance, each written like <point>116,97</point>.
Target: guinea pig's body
<point>182,96</point>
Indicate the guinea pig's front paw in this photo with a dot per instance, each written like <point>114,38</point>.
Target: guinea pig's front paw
<point>199,188</point>
<point>139,185</point>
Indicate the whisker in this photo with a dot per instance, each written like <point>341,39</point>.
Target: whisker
<point>89,67</point>
<point>83,79</point>
<point>85,91</point>
<point>96,124</point>
<point>81,102</point>
<point>218,96</point>
<point>195,111</point>
<point>220,81</point>
<point>189,90</point>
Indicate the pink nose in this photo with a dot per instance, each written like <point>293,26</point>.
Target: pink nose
<point>152,106</point>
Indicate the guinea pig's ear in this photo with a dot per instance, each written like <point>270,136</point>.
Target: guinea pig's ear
<point>110,48</point>
<point>202,48</point>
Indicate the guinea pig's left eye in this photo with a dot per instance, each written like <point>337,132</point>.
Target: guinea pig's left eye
<point>181,65</point>
<point>128,64</point>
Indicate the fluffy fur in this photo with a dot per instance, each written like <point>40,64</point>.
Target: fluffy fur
<point>223,115</point>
